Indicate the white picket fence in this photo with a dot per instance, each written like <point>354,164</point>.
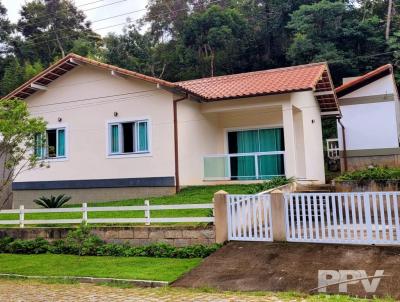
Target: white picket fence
<point>84,210</point>
<point>249,217</point>
<point>351,218</point>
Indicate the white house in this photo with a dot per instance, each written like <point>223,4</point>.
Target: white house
<point>371,120</point>
<point>115,134</point>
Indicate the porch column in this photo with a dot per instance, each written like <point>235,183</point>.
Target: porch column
<point>290,140</point>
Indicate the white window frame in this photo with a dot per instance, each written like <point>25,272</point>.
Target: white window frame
<point>45,150</point>
<point>118,122</point>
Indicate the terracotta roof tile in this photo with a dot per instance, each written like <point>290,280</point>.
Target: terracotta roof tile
<point>273,81</point>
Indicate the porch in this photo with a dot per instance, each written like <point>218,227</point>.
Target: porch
<point>263,137</point>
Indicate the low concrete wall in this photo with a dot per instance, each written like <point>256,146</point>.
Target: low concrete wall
<point>366,186</point>
<point>135,236</point>
<point>26,197</point>
<point>362,162</point>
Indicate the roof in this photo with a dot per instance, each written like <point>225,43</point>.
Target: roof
<point>273,81</point>
<point>364,80</point>
<point>314,77</point>
<point>66,64</point>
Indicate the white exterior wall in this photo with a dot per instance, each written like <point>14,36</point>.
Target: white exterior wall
<point>312,129</point>
<point>203,131</point>
<point>371,125</point>
<point>87,132</point>
<point>202,128</point>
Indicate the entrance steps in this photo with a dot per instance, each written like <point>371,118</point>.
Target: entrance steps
<point>314,188</point>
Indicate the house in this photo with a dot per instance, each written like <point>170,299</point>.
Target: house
<point>370,120</point>
<point>115,134</point>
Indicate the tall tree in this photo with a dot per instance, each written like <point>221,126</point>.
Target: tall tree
<point>50,28</point>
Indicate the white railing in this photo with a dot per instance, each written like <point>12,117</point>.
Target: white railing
<point>332,148</point>
<point>249,217</point>
<point>84,210</point>
<point>352,218</point>
<point>219,166</point>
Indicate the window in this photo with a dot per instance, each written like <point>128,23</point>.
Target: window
<point>257,141</point>
<point>129,137</point>
<point>52,146</point>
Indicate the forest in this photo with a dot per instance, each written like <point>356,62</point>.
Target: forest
<point>185,39</point>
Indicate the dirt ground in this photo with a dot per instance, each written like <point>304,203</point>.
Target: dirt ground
<point>248,266</point>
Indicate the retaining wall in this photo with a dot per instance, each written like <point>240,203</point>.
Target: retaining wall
<point>135,236</point>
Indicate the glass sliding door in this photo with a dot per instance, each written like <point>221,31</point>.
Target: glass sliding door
<point>247,160</point>
<point>271,165</point>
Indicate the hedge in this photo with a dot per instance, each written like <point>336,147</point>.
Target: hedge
<point>82,242</point>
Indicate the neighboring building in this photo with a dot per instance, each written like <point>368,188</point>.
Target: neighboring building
<point>370,115</point>
<point>115,134</point>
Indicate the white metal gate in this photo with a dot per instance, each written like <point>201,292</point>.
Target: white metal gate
<point>352,218</point>
<point>249,217</point>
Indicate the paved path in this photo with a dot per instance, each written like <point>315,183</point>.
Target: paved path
<point>31,291</point>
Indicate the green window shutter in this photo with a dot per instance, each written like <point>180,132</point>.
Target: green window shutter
<point>114,138</point>
<point>38,146</point>
<point>142,136</point>
<point>61,142</point>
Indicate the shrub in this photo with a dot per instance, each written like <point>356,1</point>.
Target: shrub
<point>52,201</point>
<point>82,242</point>
<point>267,185</point>
<point>36,246</point>
<point>4,242</point>
<point>375,173</point>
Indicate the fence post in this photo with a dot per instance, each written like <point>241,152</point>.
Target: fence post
<point>84,213</point>
<point>21,216</point>
<point>220,216</point>
<point>147,212</point>
<point>278,216</point>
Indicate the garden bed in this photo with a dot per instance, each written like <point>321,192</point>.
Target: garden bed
<point>368,180</point>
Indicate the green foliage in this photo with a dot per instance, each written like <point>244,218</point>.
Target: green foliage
<point>81,242</point>
<point>12,77</point>
<point>52,201</point>
<point>18,131</point>
<point>376,173</point>
<point>267,185</point>
<point>36,246</point>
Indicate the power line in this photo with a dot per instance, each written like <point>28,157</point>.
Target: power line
<point>110,26</point>
<point>95,98</point>
<point>88,3</point>
<point>45,18</point>
<point>95,21</point>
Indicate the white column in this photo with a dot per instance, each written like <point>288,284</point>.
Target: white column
<point>290,141</point>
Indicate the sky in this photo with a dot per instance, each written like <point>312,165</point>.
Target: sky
<point>94,12</point>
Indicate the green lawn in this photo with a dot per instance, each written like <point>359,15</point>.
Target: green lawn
<point>142,268</point>
<point>200,194</point>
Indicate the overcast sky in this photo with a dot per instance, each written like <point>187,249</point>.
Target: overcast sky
<point>95,12</point>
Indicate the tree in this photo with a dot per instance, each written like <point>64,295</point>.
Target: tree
<point>13,76</point>
<point>337,33</point>
<point>217,36</point>
<point>18,132</point>
<point>6,29</point>
<point>50,28</point>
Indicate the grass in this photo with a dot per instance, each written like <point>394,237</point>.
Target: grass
<point>141,268</point>
<point>189,195</point>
